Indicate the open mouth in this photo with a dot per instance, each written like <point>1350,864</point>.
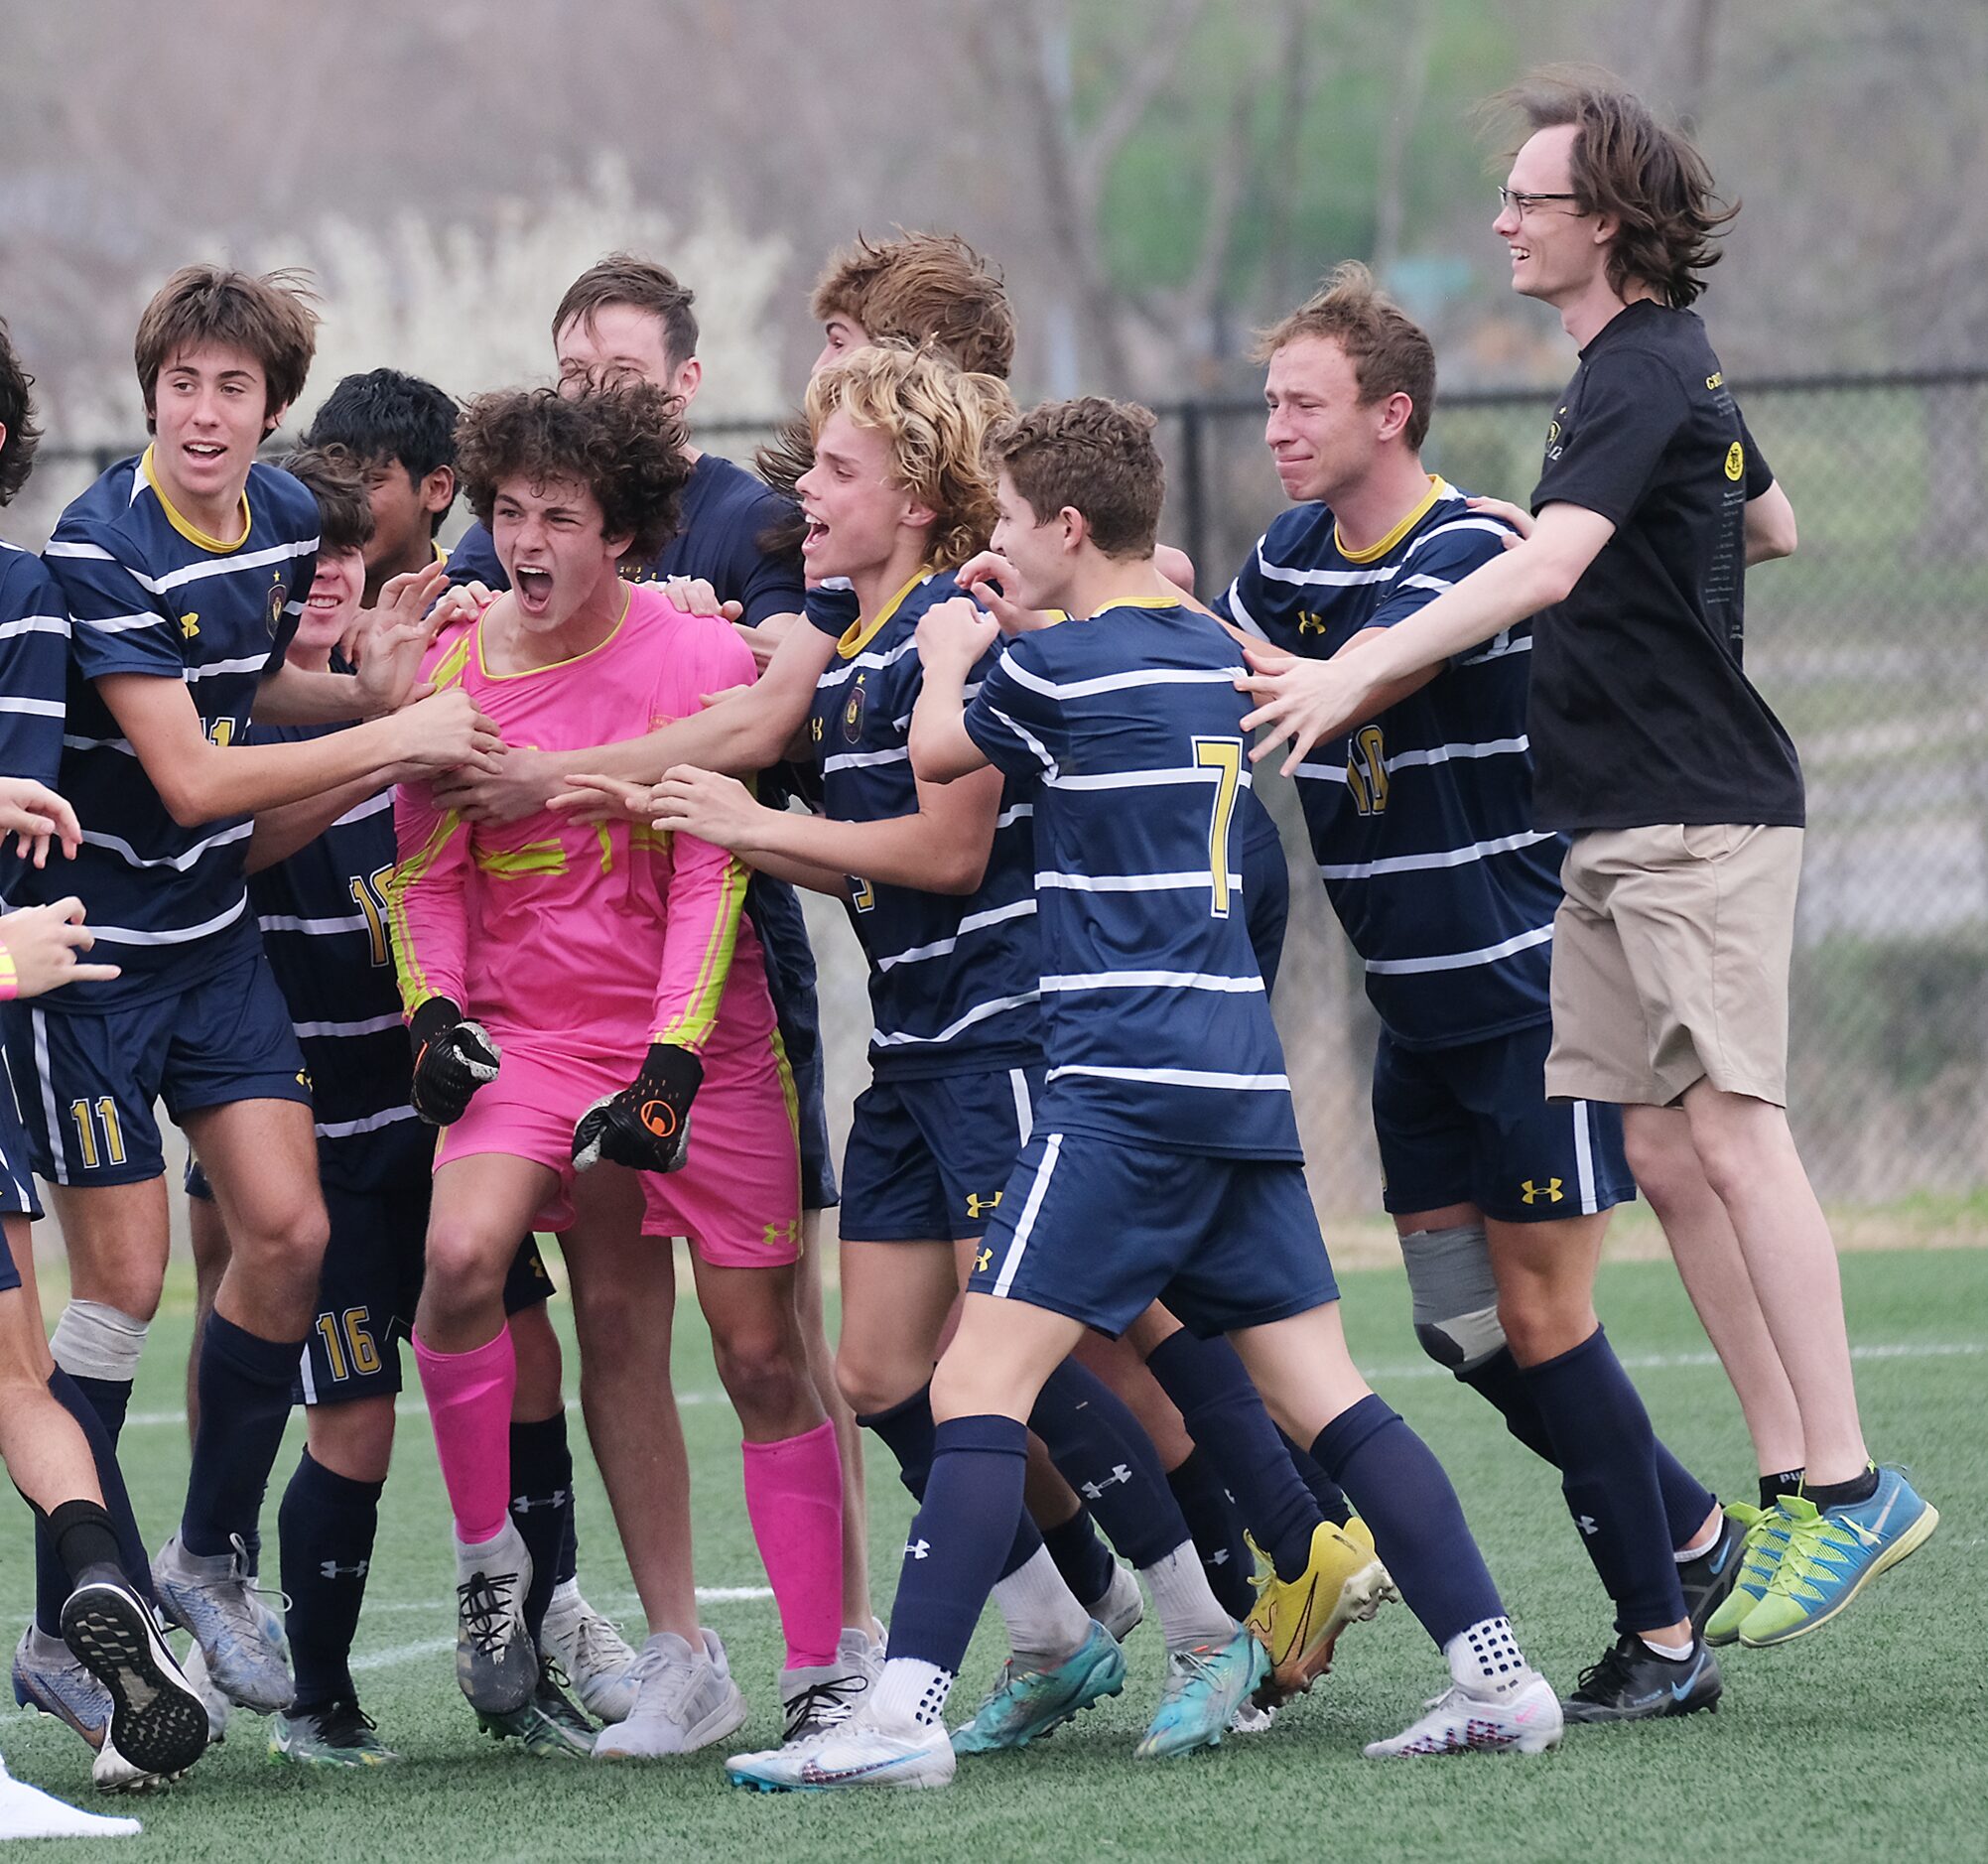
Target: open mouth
<point>814,534</point>
<point>206,448</point>
<point>533,588</point>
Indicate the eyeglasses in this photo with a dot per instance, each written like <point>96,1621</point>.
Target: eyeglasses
<point>1523,205</point>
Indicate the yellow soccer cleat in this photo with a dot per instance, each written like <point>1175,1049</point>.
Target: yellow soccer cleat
<point>1298,1621</point>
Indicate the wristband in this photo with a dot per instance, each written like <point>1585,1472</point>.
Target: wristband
<point>10,979</point>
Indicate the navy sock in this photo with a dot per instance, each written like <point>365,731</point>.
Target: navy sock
<point>326,1526</point>
<point>51,1586</point>
<point>1687,1503</point>
<point>568,1565</point>
<point>1329,1496</point>
<point>1394,1478</point>
<point>1215,1524</point>
<point>952,1556</point>
<point>1101,1449</point>
<point>906,1429</point>
<point>541,1506</point>
<point>1785,1482</point>
<point>109,1399</point>
<point>1083,1559</point>
<point>1607,1453</point>
<point>244,1383</point>
<point>1226,1418</point>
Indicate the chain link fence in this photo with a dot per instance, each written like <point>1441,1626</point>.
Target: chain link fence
<point>1871,643</point>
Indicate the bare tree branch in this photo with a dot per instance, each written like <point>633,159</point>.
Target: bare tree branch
<point>1165,44</point>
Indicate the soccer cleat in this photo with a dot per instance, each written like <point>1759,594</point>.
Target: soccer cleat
<point>335,1734</point>
<point>50,1678</point>
<point>1764,1540</point>
<point>1025,1703</point>
<point>685,1700</point>
<point>158,1725</point>
<point>217,1704</point>
<point>1123,1604</point>
<point>1707,1579</point>
<point>1633,1683</point>
<point>1298,1621</point>
<point>1204,1689</point>
<point>1834,1553</point>
<point>859,1754</point>
<point>215,1597</point>
<point>1251,1720</point>
<point>1528,1721</point>
<point>591,1651</point>
<point>819,1699</point>
<point>496,1668</point>
<point>28,1813</point>
<point>549,1724</point>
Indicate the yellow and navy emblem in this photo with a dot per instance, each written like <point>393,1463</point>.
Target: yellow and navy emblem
<point>979,1206</point>
<point>1310,622</point>
<point>852,712</point>
<point>982,1261</point>
<point>189,624</point>
<point>1532,1193</point>
<point>1736,463</point>
<point>279,594</point>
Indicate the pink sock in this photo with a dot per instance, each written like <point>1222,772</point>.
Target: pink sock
<point>793,1494</point>
<point>469,1401</point>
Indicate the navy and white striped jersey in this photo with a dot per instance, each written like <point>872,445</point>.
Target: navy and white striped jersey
<point>952,976</point>
<point>1155,1017</point>
<point>323,914</point>
<point>149,593</point>
<point>34,682</point>
<point>1421,820</point>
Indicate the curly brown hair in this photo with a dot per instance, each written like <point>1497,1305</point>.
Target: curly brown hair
<point>926,289</point>
<point>1095,457</point>
<point>1646,176</point>
<point>936,418</point>
<point>270,317</point>
<point>334,476</point>
<point>17,416</point>
<point>626,445</point>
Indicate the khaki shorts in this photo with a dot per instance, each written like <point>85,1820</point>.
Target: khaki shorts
<point>1670,956</point>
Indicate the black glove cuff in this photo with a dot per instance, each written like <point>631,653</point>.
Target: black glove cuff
<point>673,1071</point>
<point>433,1019</point>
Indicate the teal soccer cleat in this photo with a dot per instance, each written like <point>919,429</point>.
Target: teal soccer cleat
<point>1204,1689</point>
<point>1025,1703</point>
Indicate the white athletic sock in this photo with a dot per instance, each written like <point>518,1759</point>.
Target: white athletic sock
<point>1486,1659</point>
<point>1671,1653</point>
<point>910,1694</point>
<point>1045,1624</point>
<point>1190,1615</point>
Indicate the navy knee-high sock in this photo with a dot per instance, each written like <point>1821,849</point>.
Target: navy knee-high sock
<point>1329,1496</point>
<point>1394,1478</point>
<point>952,1556</point>
<point>245,1384</point>
<point>109,1399</point>
<point>907,1432</point>
<point>1083,1559</point>
<point>567,1567</point>
<point>325,1523</point>
<point>541,1506</point>
<point>51,1586</point>
<point>1224,1414</point>
<point>1100,1449</point>
<point>1607,1453</point>
<point>1686,1500</point>
<point>1215,1524</point>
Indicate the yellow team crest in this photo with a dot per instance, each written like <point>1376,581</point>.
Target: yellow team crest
<point>852,712</point>
<point>1736,463</point>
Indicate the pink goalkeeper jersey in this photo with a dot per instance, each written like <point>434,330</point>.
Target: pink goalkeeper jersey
<point>586,938</point>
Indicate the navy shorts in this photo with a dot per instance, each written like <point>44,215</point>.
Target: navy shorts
<point>91,1077</point>
<point>370,1285</point>
<point>1100,1229</point>
<point>17,1176</point>
<point>1472,1125</point>
<point>1267,888</point>
<point>929,1160</point>
<point>775,911</point>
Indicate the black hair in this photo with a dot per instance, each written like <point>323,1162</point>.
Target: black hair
<point>387,414</point>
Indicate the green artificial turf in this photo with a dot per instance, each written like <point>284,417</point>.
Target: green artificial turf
<point>1859,1742</point>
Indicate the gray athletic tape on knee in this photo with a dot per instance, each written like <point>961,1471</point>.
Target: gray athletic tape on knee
<point>92,1340</point>
<point>1454,1295</point>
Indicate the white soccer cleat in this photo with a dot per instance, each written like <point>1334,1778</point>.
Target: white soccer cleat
<point>817,1700</point>
<point>217,1704</point>
<point>592,1651</point>
<point>685,1700</point>
<point>1528,1721</point>
<point>859,1754</point>
<point>28,1813</point>
<point>495,1665</point>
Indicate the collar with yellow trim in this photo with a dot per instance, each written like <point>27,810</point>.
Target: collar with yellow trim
<point>860,633</point>
<point>191,531</point>
<point>1439,488</point>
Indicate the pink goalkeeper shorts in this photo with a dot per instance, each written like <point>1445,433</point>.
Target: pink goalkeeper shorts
<point>738,1198</point>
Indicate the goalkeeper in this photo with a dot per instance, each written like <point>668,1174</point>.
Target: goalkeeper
<point>571,992</point>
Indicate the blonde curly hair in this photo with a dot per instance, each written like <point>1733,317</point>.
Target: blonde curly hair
<point>936,418</point>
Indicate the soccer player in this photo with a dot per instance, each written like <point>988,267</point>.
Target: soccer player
<point>1164,1154</point>
<point>1421,826</point>
<point>403,428</point>
<point>138,1711</point>
<point>624,319</point>
<point>185,570</point>
<point>600,954</point>
<point>1677,785</point>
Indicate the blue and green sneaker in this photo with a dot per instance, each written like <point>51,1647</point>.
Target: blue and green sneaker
<point>1832,1553</point>
<point>1766,1530</point>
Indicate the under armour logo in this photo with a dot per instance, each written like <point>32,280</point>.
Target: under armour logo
<point>916,1550</point>
<point>1219,1557</point>
<point>1120,1473</point>
<point>1310,623</point>
<point>979,1206</point>
<point>1587,1524</point>
<point>189,624</point>
<point>524,1504</point>
<point>777,1234</point>
<point>331,1569</point>
<point>1532,1193</point>
<point>981,1260</point>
